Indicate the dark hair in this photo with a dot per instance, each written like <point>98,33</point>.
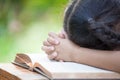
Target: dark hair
<point>93,23</point>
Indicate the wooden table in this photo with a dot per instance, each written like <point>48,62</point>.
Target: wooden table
<point>9,71</point>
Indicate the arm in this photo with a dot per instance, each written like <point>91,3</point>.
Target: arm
<point>68,51</point>
<point>98,58</point>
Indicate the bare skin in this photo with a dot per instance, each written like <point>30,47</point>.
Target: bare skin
<point>59,47</point>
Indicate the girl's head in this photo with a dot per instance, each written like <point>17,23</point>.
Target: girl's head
<point>93,23</point>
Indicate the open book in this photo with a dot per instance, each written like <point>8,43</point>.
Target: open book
<point>58,70</point>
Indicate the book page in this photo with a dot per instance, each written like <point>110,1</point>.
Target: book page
<point>23,60</point>
<point>38,57</point>
<point>54,66</point>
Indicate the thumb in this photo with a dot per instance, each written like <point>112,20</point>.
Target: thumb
<point>53,55</point>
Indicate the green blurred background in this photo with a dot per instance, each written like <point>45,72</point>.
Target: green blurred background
<point>24,24</point>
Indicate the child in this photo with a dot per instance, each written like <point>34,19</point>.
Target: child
<point>91,35</point>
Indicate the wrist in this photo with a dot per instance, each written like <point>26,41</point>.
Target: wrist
<point>77,55</point>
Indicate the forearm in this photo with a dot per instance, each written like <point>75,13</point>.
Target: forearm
<point>103,59</point>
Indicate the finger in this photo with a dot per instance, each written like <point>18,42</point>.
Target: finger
<point>46,43</point>
<point>52,41</point>
<point>48,49</point>
<point>53,35</point>
<point>57,58</point>
<point>61,35</point>
<point>53,55</point>
<point>63,32</point>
